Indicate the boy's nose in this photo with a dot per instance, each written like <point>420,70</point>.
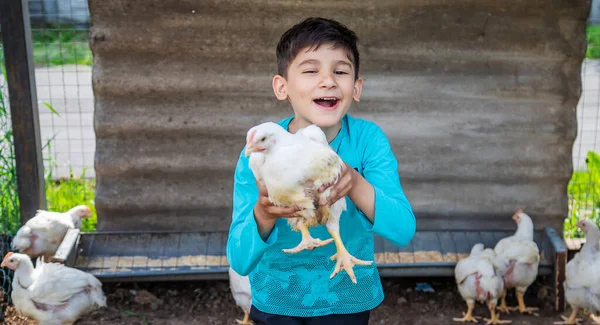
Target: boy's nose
<point>328,81</point>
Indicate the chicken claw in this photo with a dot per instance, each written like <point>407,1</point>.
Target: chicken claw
<point>495,316</point>
<point>308,242</point>
<point>522,308</point>
<point>347,262</point>
<point>572,320</point>
<point>344,259</point>
<point>468,316</point>
<point>503,308</point>
<point>246,320</point>
<point>595,318</point>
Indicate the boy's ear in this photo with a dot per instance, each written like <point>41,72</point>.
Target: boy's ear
<point>357,89</point>
<point>280,87</point>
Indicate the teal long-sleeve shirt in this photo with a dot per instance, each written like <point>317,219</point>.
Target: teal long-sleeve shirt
<point>299,284</point>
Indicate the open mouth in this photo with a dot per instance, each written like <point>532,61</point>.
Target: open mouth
<point>328,103</point>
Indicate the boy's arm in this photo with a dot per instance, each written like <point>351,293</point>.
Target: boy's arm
<point>379,194</point>
<point>245,247</point>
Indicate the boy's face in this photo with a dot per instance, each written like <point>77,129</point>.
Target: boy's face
<point>320,86</point>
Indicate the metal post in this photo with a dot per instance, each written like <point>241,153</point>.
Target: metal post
<point>18,54</point>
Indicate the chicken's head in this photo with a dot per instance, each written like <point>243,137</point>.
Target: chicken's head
<point>586,225</point>
<point>521,216</point>
<point>12,260</point>
<point>261,138</point>
<point>79,212</point>
<point>477,249</point>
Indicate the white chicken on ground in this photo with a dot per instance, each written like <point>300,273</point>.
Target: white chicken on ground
<point>477,280</point>
<point>582,285</point>
<point>517,259</point>
<point>240,288</point>
<point>293,167</point>
<point>42,234</point>
<point>52,293</point>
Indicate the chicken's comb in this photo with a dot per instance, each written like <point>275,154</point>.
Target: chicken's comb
<point>251,136</point>
<point>8,255</point>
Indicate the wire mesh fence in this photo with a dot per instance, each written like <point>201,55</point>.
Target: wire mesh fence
<point>584,187</point>
<point>9,200</point>
<point>59,31</point>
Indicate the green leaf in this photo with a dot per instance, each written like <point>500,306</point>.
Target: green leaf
<point>51,108</point>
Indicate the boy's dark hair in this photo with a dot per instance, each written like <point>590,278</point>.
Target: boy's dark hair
<point>312,32</point>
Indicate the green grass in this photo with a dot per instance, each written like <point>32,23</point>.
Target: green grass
<point>60,45</point>
<point>56,45</point>
<point>9,199</point>
<point>584,196</point>
<point>64,194</point>
<point>593,42</point>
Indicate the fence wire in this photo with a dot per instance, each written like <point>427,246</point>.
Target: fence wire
<point>584,187</point>
<point>62,56</point>
<point>9,200</point>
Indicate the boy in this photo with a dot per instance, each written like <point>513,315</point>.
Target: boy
<point>318,64</point>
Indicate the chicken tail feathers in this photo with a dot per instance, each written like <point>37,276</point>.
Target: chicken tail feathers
<point>98,297</point>
<point>22,239</point>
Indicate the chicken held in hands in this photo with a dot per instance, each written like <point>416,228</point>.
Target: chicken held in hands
<point>293,167</point>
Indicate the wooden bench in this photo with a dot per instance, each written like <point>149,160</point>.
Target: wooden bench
<point>200,255</point>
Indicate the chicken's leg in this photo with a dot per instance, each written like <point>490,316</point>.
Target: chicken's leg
<point>343,257</point>
<point>246,320</point>
<point>495,317</point>
<point>572,320</point>
<point>503,308</point>
<point>308,242</point>
<point>468,317</point>
<point>595,318</point>
<point>522,308</point>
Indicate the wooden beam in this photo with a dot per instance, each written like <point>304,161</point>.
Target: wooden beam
<point>65,254</point>
<point>18,56</point>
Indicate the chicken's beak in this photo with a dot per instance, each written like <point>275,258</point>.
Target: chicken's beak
<point>249,149</point>
<point>4,264</point>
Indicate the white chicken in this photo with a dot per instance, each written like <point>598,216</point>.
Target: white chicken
<point>582,285</point>
<point>52,293</point>
<point>240,288</point>
<point>477,280</point>
<point>42,234</point>
<point>293,167</point>
<point>517,259</point>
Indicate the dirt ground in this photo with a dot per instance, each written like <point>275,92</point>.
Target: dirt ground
<point>212,304</point>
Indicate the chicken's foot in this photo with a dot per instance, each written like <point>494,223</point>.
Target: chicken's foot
<point>503,308</point>
<point>495,317</point>
<point>595,318</point>
<point>468,317</point>
<point>344,259</point>
<point>572,320</point>
<point>522,308</point>
<point>308,242</point>
<point>246,320</point>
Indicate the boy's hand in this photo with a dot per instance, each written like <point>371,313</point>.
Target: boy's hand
<point>346,181</point>
<point>267,210</point>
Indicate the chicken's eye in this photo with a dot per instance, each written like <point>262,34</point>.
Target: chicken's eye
<point>263,139</point>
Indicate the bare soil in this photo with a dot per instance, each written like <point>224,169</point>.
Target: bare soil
<point>184,303</point>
